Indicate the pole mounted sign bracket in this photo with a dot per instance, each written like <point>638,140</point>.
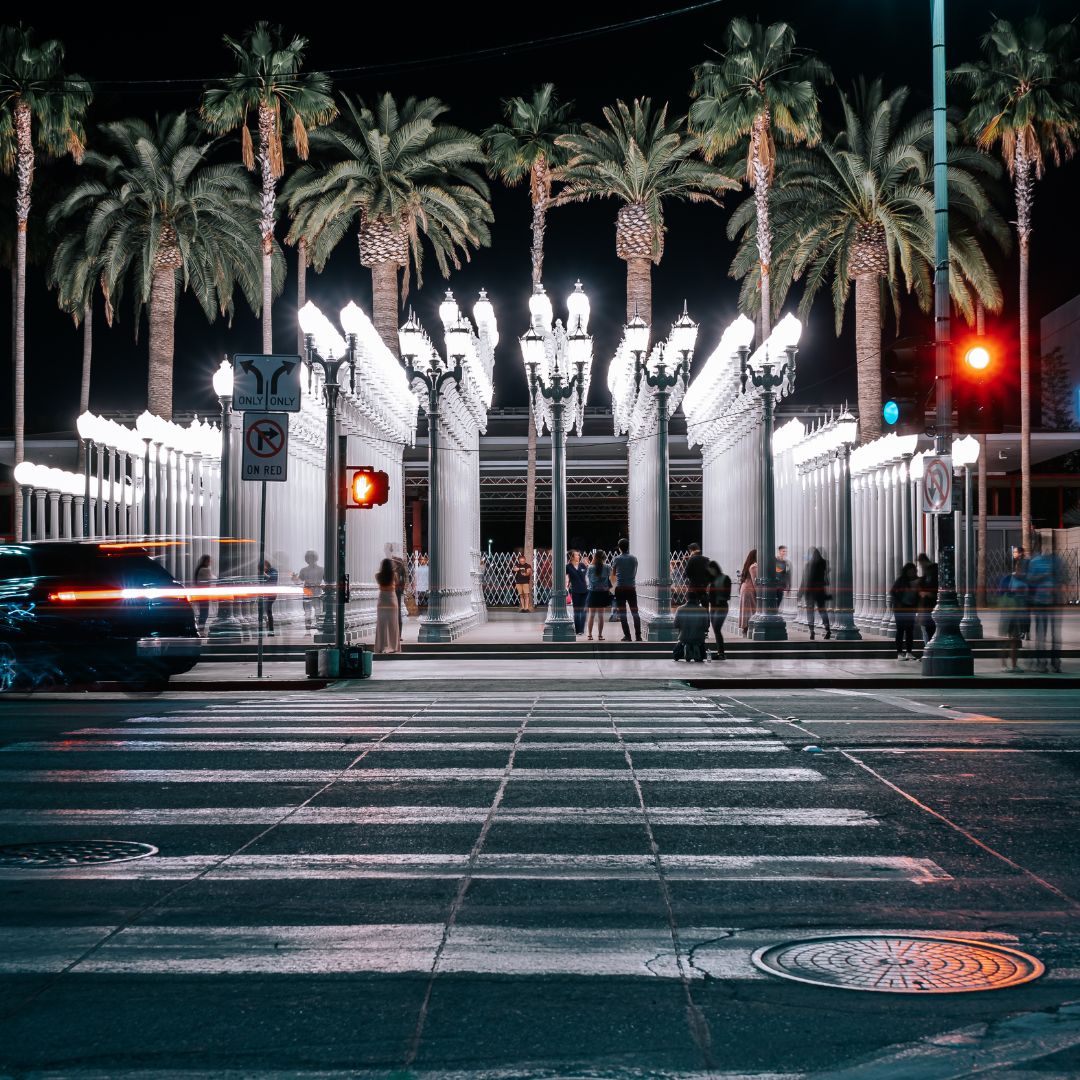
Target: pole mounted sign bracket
<point>266,383</point>
<point>937,485</point>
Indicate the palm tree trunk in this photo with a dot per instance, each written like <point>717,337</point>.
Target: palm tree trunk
<point>24,170</point>
<point>384,303</point>
<point>868,354</point>
<point>162,325</point>
<point>301,289</point>
<point>541,192</point>
<point>758,134</point>
<point>639,289</point>
<point>84,383</point>
<point>267,208</point>
<point>1024,197</point>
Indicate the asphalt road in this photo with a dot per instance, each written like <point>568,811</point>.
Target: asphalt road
<point>534,882</point>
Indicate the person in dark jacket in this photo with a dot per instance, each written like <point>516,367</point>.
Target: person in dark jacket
<point>719,601</point>
<point>697,575</point>
<point>269,577</point>
<point>577,584</point>
<point>928,588</point>
<point>904,598</point>
<point>692,624</point>
<point>814,591</point>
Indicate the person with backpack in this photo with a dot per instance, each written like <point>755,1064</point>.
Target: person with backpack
<point>719,602</point>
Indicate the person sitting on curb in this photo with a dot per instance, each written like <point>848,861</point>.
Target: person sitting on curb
<point>692,623</point>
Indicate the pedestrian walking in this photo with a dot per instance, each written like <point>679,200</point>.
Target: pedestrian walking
<point>814,591</point>
<point>928,590</point>
<point>1015,619</point>
<point>692,624</point>
<point>421,580</point>
<point>387,615</point>
<point>599,578</point>
<point>522,575</point>
<point>311,577</point>
<point>624,578</point>
<point>697,575</point>
<point>904,598</point>
<point>204,574</point>
<point>577,584</point>
<point>719,601</point>
<point>782,572</point>
<point>269,577</point>
<point>748,591</point>
<point>401,577</point>
<point>1044,578</point>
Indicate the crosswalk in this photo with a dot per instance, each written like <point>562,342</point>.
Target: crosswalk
<point>569,834</point>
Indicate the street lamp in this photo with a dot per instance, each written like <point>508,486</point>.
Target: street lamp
<point>425,367</point>
<point>775,382</point>
<point>966,454</point>
<point>558,366</point>
<point>847,434</point>
<point>328,351</point>
<point>223,387</point>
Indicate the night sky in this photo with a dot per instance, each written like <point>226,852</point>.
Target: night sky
<point>141,68</point>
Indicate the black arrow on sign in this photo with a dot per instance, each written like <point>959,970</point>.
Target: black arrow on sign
<point>268,436</point>
<point>285,369</point>
<point>252,369</point>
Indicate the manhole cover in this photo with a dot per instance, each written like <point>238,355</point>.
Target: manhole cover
<point>61,853</point>
<point>899,965</point>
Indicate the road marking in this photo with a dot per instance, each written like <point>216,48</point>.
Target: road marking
<point>517,866</point>
<point>371,776</point>
<point>83,746</point>
<point>623,1073</point>
<point>315,729</point>
<point>808,817</point>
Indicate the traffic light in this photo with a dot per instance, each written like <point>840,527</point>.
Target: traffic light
<point>365,487</point>
<point>978,387</point>
<point>905,387</point>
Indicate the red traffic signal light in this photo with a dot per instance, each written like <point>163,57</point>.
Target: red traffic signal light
<point>366,487</point>
<point>979,388</point>
<point>977,357</point>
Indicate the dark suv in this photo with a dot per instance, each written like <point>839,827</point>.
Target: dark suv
<point>84,612</point>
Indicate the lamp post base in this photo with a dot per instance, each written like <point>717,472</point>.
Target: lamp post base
<point>661,628</point>
<point>767,628</point>
<point>971,625</point>
<point>435,630</point>
<point>947,653</point>
<point>558,626</point>
<point>847,631</point>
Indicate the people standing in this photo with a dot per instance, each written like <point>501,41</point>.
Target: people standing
<point>421,580</point>
<point>719,601</point>
<point>204,574</point>
<point>814,591</point>
<point>1015,619</point>
<point>577,584</point>
<point>1044,581</point>
<point>387,616</point>
<point>748,591</point>
<point>522,575</point>
<point>928,590</point>
<point>697,575</point>
<point>599,578</point>
<point>782,572</point>
<point>904,598</point>
<point>311,577</point>
<point>269,577</point>
<point>624,577</point>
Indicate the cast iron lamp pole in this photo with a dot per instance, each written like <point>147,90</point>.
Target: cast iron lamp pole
<point>767,624</point>
<point>844,612</point>
<point>331,372</point>
<point>432,378</point>
<point>966,453</point>
<point>225,621</point>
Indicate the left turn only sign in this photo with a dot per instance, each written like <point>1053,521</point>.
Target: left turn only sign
<point>266,446</point>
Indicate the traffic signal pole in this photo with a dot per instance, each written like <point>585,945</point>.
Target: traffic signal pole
<point>946,653</point>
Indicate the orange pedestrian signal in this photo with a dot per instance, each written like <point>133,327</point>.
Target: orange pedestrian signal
<point>366,487</point>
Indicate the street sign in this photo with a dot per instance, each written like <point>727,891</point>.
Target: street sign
<point>266,383</point>
<point>266,447</point>
<point>937,485</point>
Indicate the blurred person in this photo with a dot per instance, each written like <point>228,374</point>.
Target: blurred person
<point>577,585</point>
<point>928,590</point>
<point>783,575</point>
<point>814,591</point>
<point>311,576</point>
<point>401,578</point>
<point>204,575</point>
<point>697,575</point>
<point>904,599</point>
<point>748,591</point>
<point>1044,578</point>
<point>599,578</point>
<point>1015,620</point>
<point>269,576</point>
<point>692,624</point>
<point>719,601</point>
<point>624,578</point>
<point>387,613</point>
<point>422,580</point>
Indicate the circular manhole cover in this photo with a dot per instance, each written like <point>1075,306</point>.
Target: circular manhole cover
<point>893,964</point>
<point>60,853</point>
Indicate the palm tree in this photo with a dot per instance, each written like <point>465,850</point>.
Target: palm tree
<point>860,208</point>
<point>396,173</point>
<point>526,146</point>
<point>38,104</point>
<point>642,159</point>
<point>1025,98</point>
<point>269,83</point>
<point>159,213</point>
<point>761,87</point>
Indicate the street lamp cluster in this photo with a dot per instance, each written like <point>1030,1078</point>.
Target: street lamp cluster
<point>558,366</point>
<point>647,387</point>
<point>455,394</point>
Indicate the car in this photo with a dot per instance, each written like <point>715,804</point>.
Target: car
<point>81,612</point>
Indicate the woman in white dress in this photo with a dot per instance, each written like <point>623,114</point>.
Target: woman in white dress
<point>387,616</point>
